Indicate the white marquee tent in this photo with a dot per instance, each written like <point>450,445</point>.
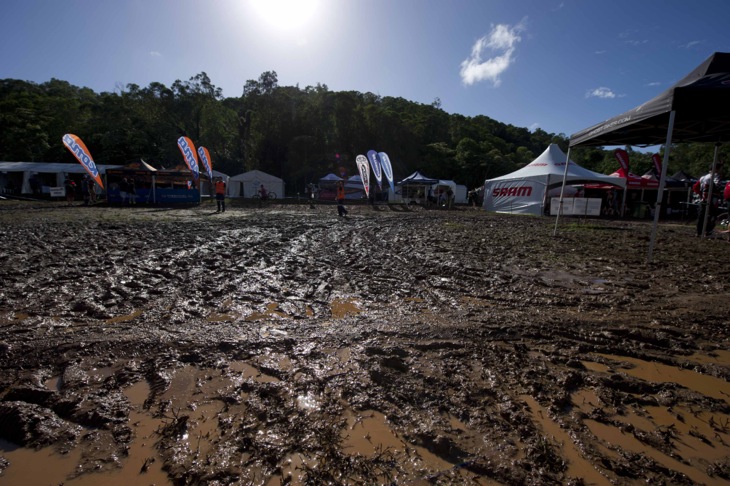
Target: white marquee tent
<point>19,175</point>
<point>248,183</point>
<point>460,191</point>
<point>525,191</point>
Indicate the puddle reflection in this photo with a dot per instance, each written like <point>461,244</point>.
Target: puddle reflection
<point>367,433</point>
<point>578,467</point>
<point>342,308</point>
<point>24,465</point>
<point>272,310</point>
<point>661,373</point>
<point>696,438</point>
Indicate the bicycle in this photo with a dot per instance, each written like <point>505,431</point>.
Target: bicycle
<point>269,196</point>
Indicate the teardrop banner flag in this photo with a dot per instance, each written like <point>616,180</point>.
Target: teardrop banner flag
<point>188,151</point>
<point>374,159</point>
<point>205,159</point>
<point>363,167</point>
<point>387,169</point>
<point>82,154</point>
<point>623,159</point>
<point>657,163</point>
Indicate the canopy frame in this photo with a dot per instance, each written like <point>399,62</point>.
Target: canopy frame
<point>692,110</point>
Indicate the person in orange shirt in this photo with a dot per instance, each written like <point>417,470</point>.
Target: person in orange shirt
<point>220,195</point>
<point>341,211</point>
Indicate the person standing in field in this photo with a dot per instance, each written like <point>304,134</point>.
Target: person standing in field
<point>123,188</point>
<point>709,201</point>
<point>220,195</point>
<point>340,197</point>
<point>70,187</point>
<point>92,191</point>
<point>132,188</point>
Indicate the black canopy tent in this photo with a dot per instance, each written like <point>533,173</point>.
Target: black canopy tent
<point>701,102</point>
<point>695,109</point>
<point>417,180</point>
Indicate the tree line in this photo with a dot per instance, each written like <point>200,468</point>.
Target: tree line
<point>298,134</point>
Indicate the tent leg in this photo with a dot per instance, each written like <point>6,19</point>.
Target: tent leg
<point>662,181</point>
<point>710,190</point>
<point>562,190</point>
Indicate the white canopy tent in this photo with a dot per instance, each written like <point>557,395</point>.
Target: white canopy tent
<point>526,190</point>
<point>48,174</point>
<point>248,183</point>
<point>460,191</point>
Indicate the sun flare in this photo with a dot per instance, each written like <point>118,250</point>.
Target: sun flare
<point>285,15</point>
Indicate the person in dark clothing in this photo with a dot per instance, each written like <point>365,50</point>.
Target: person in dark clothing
<point>132,191</point>
<point>123,190</point>
<point>91,190</point>
<point>70,187</point>
<point>220,195</point>
<point>341,211</point>
<point>709,203</point>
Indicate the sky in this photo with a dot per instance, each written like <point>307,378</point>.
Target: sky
<point>557,65</point>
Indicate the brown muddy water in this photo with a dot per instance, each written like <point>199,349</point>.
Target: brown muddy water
<point>285,345</point>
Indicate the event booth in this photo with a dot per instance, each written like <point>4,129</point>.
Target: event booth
<point>248,183</point>
<point>528,190</point>
<point>152,186</point>
<point>415,188</point>
<point>38,178</point>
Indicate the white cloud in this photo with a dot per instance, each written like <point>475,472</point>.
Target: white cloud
<point>501,44</point>
<point>654,83</point>
<point>629,37</point>
<point>534,127</point>
<point>155,54</point>
<point>691,44</point>
<point>600,93</point>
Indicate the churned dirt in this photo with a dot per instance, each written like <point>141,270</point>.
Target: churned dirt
<point>285,345</point>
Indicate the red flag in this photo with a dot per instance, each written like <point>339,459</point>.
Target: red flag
<point>623,158</point>
<point>657,163</point>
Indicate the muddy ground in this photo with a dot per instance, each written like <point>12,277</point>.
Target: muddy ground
<point>284,345</point>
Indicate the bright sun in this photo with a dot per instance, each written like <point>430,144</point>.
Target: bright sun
<point>285,15</point>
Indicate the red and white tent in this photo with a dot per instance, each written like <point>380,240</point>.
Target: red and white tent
<point>634,181</point>
<point>525,191</point>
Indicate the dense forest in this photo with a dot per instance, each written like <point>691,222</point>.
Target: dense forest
<point>297,134</point>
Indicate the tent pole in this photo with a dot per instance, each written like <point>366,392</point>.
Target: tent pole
<point>710,190</point>
<point>662,181</point>
<point>562,190</point>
